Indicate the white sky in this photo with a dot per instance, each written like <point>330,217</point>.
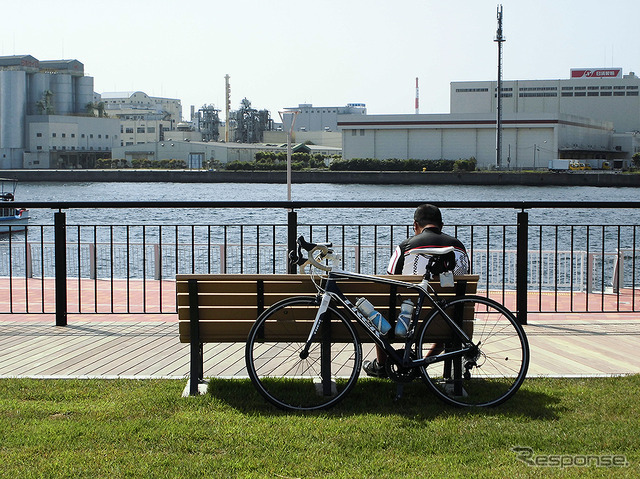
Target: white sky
<point>280,53</point>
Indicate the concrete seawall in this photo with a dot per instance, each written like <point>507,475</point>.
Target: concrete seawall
<point>346,177</point>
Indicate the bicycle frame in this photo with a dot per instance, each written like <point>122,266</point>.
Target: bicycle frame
<point>332,292</point>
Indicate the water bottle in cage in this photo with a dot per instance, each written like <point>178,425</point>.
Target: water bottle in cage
<point>404,318</point>
<point>374,317</point>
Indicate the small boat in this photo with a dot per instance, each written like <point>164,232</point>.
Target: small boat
<point>11,219</point>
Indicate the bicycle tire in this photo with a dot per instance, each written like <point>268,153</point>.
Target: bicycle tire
<point>278,372</point>
<point>497,368</point>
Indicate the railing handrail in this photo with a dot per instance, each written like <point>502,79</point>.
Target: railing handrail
<point>294,205</point>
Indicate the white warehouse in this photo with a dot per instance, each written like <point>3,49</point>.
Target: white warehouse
<point>593,116</point>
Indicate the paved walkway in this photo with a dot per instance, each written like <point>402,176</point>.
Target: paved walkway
<point>147,346</point>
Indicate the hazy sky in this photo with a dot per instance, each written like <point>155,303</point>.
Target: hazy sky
<point>280,53</point>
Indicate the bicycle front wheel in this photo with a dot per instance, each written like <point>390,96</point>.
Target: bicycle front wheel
<point>489,374</point>
<point>302,382</point>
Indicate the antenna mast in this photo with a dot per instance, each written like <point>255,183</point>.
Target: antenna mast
<point>417,98</point>
<point>227,106</point>
<point>499,39</point>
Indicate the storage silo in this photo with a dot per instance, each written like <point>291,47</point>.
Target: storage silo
<point>38,84</point>
<point>62,88</point>
<point>13,108</point>
<point>84,93</point>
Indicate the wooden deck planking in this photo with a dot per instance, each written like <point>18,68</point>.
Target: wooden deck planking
<point>151,349</point>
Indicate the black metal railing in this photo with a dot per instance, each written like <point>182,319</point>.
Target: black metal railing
<point>66,268</point>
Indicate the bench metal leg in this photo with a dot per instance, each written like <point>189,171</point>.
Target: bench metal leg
<point>325,355</point>
<point>196,370</point>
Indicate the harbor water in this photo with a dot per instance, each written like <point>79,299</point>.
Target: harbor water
<point>159,242</point>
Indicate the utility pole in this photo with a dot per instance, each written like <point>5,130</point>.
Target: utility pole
<point>499,39</point>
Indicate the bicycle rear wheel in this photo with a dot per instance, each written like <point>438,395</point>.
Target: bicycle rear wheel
<point>274,363</point>
<point>490,374</point>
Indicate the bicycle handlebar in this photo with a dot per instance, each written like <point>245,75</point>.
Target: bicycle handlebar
<point>317,252</point>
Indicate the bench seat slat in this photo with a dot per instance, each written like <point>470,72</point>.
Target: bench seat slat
<point>238,331</point>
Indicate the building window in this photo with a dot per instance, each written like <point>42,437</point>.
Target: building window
<point>605,93</point>
<point>361,132</point>
<point>592,93</point>
<point>593,88</point>
<point>129,130</point>
<point>471,90</point>
<point>106,136</point>
<point>581,93</point>
<point>82,136</point>
<point>99,136</point>
<point>91,135</point>
<point>53,135</point>
<point>129,143</point>
<point>567,93</point>
<point>635,87</point>
<point>73,135</point>
<point>632,93</point>
<point>64,135</point>
<point>581,88</point>
<point>536,95</point>
<point>140,129</point>
<point>354,132</point>
<point>38,148</point>
<point>618,93</point>
<point>39,135</point>
<point>151,129</point>
<point>539,88</point>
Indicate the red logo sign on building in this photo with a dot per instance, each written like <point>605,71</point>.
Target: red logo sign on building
<point>596,73</point>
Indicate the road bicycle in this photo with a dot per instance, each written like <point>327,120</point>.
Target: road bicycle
<point>304,353</point>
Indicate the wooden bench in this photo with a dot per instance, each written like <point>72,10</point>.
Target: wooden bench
<point>221,308</point>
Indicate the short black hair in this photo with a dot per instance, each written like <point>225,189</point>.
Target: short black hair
<point>428,214</point>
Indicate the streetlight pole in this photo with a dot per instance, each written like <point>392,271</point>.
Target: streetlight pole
<point>288,121</point>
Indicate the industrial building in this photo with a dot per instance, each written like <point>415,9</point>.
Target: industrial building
<point>44,119</point>
<point>143,118</point>
<point>195,154</point>
<point>593,117</point>
<point>323,118</point>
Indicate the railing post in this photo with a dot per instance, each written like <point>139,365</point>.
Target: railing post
<point>28,261</point>
<point>292,236</point>
<point>522,272</point>
<point>92,261</point>
<point>60,240</point>
<point>157,263</point>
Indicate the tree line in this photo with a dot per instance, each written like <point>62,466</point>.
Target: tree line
<point>270,161</point>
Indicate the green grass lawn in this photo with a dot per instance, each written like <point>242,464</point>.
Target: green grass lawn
<point>127,428</point>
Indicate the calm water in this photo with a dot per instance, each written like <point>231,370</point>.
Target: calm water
<point>306,192</point>
<point>250,226</point>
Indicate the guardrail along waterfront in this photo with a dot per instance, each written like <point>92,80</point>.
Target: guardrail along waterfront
<point>64,268</point>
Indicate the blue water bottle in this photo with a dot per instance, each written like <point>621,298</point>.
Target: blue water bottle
<point>404,319</point>
<point>374,317</point>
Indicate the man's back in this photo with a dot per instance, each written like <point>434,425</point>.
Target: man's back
<point>402,262</point>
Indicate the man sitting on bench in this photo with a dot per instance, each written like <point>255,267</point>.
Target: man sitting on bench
<point>427,225</point>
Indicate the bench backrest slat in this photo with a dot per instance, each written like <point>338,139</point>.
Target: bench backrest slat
<point>228,304</point>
